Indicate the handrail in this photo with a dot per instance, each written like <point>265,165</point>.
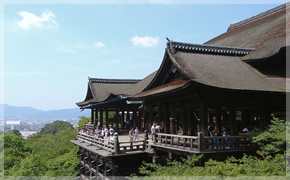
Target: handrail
<point>202,143</point>
<point>124,147</point>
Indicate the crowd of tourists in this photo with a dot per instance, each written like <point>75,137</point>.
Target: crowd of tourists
<point>104,133</point>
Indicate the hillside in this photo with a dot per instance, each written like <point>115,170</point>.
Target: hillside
<point>28,113</point>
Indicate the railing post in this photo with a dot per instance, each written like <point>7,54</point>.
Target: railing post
<point>145,139</point>
<point>155,138</point>
<point>200,141</point>
<point>116,143</point>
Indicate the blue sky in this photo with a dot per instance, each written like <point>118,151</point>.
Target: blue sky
<point>50,50</point>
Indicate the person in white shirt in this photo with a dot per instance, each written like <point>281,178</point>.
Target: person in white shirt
<point>136,134</point>
<point>153,130</point>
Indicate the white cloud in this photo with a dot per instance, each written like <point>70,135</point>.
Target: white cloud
<point>145,41</point>
<point>99,44</point>
<point>31,20</point>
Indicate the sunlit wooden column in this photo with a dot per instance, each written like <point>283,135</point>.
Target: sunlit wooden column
<point>96,114</point>
<point>128,116</point>
<point>101,118</point>
<point>203,118</point>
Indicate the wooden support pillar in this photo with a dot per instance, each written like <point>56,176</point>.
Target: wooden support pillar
<point>139,120</point>
<point>218,118</point>
<point>232,120</point>
<point>203,119</point>
<point>123,119</point>
<point>186,123</point>
<point>134,118</point>
<point>92,115</point>
<point>105,168</point>
<point>107,117</point>
<point>172,122</point>
<point>150,118</point>
<point>182,118</point>
<point>166,119</point>
<point>117,120</point>
<point>264,118</point>
<point>128,116</point>
<point>194,122</point>
<point>145,123</point>
<point>101,118</point>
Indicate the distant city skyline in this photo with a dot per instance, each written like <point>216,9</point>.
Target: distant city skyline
<point>50,50</point>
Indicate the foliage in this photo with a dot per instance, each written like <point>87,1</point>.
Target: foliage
<point>41,154</point>
<point>272,163</point>
<point>16,132</point>
<point>83,120</point>
<point>273,139</point>
<point>54,127</point>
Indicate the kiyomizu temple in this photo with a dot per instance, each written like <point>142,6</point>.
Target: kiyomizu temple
<point>234,81</point>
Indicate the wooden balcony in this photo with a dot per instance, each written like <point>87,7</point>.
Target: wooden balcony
<point>167,142</point>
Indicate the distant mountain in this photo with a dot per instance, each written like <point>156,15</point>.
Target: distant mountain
<point>26,113</point>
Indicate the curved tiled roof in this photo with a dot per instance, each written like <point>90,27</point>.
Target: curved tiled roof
<point>228,72</point>
<point>266,33</point>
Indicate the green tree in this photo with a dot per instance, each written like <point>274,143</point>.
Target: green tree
<point>54,127</point>
<point>16,132</point>
<point>83,120</point>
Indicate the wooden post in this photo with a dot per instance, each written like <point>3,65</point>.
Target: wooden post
<point>105,168</point>
<point>200,142</point>
<point>233,122</point>
<point>116,143</point>
<point>203,119</point>
<point>218,118</point>
<point>166,120</point>
<point>107,117</point>
<point>150,119</point>
<point>170,155</point>
<point>134,118</point>
<point>117,119</point>
<point>123,119</point>
<point>155,138</point>
<point>101,119</point>
<point>92,115</point>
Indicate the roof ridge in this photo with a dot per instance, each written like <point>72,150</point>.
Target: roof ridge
<point>208,49</point>
<point>113,81</point>
<point>256,17</point>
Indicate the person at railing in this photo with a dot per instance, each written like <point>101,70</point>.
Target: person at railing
<point>106,132</point>
<point>224,134</point>
<point>153,130</point>
<point>180,131</point>
<point>131,135</point>
<point>111,131</point>
<point>216,132</point>
<point>136,134</point>
<point>210,129</point>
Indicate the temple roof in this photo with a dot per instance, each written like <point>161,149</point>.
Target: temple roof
<point>266,33</point>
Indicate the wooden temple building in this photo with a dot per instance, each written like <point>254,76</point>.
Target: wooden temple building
<point>235,80</point>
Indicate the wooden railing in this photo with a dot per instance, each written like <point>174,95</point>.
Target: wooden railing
<point>112,146</point>
<point>98,142</point>
<point>202,143</point>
